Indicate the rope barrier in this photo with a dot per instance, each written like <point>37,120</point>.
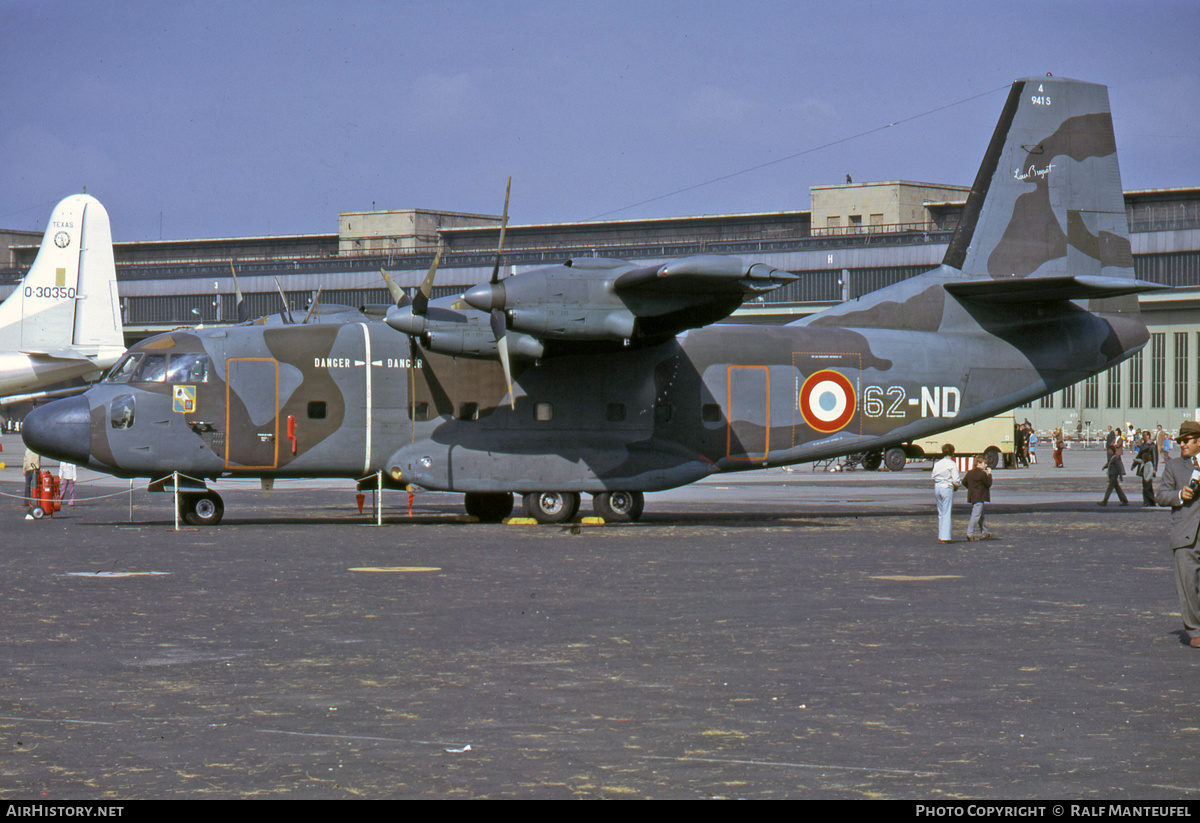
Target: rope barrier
<point>246,486</point>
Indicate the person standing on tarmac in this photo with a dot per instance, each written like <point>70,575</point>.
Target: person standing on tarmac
<point>1179,488</point>
<point>31,465</point>
<point>1115,469</point>
<point>979,484</point>
<point>67,473</point>
<point>946,478</point>
<point>1143,466</point>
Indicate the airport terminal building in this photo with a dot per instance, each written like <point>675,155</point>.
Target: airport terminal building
<point>857,237</point>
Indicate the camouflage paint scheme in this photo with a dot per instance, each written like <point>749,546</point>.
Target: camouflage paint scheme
<point>1037,292</point>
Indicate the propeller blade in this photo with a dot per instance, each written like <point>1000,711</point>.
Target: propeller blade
<point>499,327</point>
<point>316,301</point>
<point>412,385</point>
<point>421,300</point>
<point>500,333</point>
<point>503,229</point>
<point>243,311</point>
<point>502,348</point>
<point>395,291</point>
<point>287,310</point>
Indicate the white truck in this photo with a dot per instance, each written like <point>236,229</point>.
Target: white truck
<point>994,438</point>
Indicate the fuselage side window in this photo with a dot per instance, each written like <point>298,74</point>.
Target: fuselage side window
<point>120,415</point>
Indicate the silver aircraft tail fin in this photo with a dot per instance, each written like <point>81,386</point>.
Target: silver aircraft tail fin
<point>67,304</point>
<point>1047,201</point>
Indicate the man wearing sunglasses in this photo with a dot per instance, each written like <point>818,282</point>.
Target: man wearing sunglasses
<point>1179,488</point>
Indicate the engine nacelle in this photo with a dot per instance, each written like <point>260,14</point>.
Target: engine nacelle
<point>477,342</point>
<point>460,342</point>
<point>555,323</point>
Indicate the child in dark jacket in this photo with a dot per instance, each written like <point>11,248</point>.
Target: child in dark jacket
<point>979,483</point>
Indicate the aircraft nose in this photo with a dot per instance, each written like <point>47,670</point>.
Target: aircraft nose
<point>61,430</point>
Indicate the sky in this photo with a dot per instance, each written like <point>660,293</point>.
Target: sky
<point>225,119</point>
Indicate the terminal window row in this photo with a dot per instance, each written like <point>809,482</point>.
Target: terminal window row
<point>1126,386</point>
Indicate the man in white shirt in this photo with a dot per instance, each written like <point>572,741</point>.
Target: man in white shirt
<point>946,478</point>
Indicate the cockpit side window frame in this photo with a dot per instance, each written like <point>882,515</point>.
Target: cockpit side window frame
<point>125,368</point>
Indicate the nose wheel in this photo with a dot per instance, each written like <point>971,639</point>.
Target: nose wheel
<point>201,509</point>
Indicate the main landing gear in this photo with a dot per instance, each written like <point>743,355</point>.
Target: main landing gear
<point>619,507</point>
<point>551,507</point>
<point>561,507</point>
<point>489,508</point>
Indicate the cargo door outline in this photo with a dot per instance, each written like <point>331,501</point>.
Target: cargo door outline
<point>747,386</point>
<point>251,383</point>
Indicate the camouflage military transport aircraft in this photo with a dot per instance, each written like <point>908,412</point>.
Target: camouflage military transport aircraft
<point>64,320</point>
<point>620,384</point>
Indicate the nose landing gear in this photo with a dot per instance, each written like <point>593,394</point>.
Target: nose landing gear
<point>201,509</point>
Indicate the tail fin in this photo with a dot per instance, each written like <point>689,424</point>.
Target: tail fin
<point>67,303</point>
<point>1047,201</point>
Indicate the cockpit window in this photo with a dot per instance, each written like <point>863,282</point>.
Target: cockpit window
<point>152,370</point>
<point>142,367</point>
<point>188,368</point>
<point>123,371</point>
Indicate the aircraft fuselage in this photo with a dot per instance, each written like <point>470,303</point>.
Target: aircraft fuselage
<point>624,380</point>
<point>354,399</point>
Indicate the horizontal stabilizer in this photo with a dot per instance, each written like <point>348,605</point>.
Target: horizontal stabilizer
<point>1043,289</point>
<point>60,354</point>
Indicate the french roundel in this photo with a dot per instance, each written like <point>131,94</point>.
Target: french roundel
<point>827,401</point>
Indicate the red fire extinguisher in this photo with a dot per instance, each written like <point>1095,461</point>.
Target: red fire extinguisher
<point>43,495</point>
